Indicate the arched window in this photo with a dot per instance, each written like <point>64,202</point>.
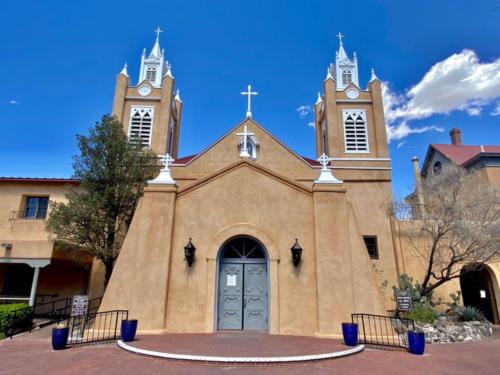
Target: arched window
<point>141,125</point>
<point>151,74</point>
<point>355,131</point>
<point>323,135</point>
<point>346,77</point>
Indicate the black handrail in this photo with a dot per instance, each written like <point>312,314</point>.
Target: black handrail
<point>55,310</point>
<point>96,327</point>
<point>379,330</point>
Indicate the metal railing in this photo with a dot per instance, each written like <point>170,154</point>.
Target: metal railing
<point>96,327</point>
<point>17,321</point>
<point>7,300</point>
<point>379,330</point>
<point>39,214</point>
<point>56,310</point>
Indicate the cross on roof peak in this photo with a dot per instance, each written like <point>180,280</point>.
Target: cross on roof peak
<point>249,94</point>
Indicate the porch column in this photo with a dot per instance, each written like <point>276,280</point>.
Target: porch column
<point>34,285</point>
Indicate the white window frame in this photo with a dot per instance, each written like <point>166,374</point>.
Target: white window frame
<point>147,109</point>
<point>354,113</point>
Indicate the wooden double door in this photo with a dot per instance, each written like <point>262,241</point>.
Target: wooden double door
<point>243,296</point>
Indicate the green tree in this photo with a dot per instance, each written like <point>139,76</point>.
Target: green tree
<point>112,172</point>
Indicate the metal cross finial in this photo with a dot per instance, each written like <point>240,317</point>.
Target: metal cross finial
<point>244,151</point>
<point>324,160</point>
<point>340,36</point>
<point>249,93</point>
<point>166,161</point>
<point>158,31</point>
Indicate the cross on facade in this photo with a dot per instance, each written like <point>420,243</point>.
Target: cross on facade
<point>244,151</point>
<point>158,31</point>
<point>324,160</point>
<point>249,93</point>
<point>326,176</point>
<point>164,177</point>
<point>166,161</point>
<point>340,36</point>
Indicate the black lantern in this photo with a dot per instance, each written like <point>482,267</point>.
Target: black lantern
<point>296,253</point>
<point>189,250</point>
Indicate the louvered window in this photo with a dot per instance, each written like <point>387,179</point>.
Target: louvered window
<point>355,131</point>
<point>141,125</point>
<point>151,74</point>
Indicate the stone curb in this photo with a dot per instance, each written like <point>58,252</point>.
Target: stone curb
<point>203,358</point>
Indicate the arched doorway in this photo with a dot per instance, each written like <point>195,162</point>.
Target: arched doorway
<point>477,290</point>
<point>242,286</point>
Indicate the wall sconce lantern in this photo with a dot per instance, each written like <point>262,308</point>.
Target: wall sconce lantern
<point>296,253</point>
<point>189,251</point>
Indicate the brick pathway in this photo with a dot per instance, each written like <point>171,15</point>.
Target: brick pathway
<point>35,356</point>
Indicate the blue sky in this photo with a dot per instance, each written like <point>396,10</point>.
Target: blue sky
<point>60,58</point>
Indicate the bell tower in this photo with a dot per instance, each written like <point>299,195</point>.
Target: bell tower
<point>150,111</point>
<point>349,120</point>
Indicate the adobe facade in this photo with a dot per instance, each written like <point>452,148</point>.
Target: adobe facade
<point>249,205</point>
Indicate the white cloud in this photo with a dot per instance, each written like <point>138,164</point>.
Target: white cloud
<point>460,82</point>
<point>13,102</point>
<point>311,124</point>
<point>402,130</point>
<point>304,110</point>
<point>496,110</point>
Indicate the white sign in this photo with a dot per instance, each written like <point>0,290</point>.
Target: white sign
<point>80,305</point>
<point>231,280</point>
<point>482,293</point>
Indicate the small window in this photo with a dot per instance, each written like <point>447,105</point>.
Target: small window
<point>36,208</point>
<point>346,77</point>
<point>437,167</point>
<point>371,246</point>
<point>151,74</point>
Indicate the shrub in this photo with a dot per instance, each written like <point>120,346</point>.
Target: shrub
<point>423,314</point>
<point>470,313</point>
<point>23,311</point>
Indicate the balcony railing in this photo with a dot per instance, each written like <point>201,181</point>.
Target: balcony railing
<point>39,214</point>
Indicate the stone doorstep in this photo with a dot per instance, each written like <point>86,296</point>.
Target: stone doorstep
<point>204,358</point>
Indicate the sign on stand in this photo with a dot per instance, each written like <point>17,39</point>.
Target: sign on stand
<point>403,300</point>
<point>80,305</point>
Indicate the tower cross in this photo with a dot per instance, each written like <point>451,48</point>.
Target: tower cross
<point>244,151</point>
<point>158,31</point>
<point>249,93</point>
<point>340,36</point>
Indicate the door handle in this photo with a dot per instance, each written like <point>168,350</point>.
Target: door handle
<point>244,302</point>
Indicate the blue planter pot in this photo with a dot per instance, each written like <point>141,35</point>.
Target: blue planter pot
<point>128,329</point>
<point>350,333</point>
<point>416,341</point>
<point>59,338</point>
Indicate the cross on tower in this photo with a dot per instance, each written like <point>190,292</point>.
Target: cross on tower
<point>158,31</point>
<point>249,93</point>
<point>340,36</point>
<point>244,151</point>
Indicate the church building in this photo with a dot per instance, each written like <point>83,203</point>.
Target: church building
<point>247,234</point>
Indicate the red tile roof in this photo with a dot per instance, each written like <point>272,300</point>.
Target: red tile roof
<point>185,159</point>
<point>461,154</point>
